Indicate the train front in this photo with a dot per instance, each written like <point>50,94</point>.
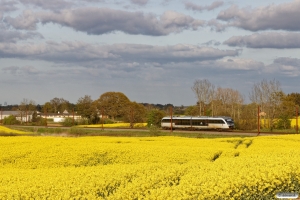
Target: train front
<point>230,123</point>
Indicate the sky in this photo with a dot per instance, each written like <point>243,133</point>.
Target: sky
<point>150,50</point>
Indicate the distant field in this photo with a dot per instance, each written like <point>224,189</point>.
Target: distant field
<point>4,131</point>
<point>115,168</point>
<point>115,125</point>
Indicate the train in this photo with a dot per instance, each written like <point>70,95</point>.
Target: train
<point>218,123</point>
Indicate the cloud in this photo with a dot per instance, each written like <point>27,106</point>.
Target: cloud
<point>240,64</point>
<point>275,17</point>
<point>266,40</point>
<point>8,6</point>
<point>51,5</point>
<point>73,52</point>
<point>212,42</point>
<point>25,21</point>
<point>195,7</point>
<point>216,25</point>
<point>139,2</point>
<point>20,70</point>
<point>99,21</point>
<point>14,36</point>
<point>287,66</point>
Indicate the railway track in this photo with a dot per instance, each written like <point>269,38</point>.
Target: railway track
<point>204,132</point>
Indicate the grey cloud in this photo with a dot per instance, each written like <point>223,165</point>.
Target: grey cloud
<point>20,70</point>
<point>104,20</point>
<point>26,21</point>
<point>14,36</point>
<point>266,40</point>
<point>195,7</point>
<point>7,6</point>
<point>288,61</point>
<point>276,17</point>
<point>176,53</point>
<point>216,25</point>
<point>71,52</point>
<point>212,42</point>
<point>287,66</point>
<point>139,2</point>
<point>49,4</point>
<point>240,64</point>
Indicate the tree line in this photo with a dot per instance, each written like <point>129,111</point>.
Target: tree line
<point>276,107</point>
<point>110,107</point>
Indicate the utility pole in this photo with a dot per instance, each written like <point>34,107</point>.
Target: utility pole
<point>73,116</point>
<point>297,109</point>
<point>258,121</point>
<point>171,113</point>
<point>45,113</point>
<point>102,118</point>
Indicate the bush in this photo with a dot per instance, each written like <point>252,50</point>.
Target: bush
<point>68,122</point>
<point>77,131</point>
<point>283,123</point>
<point>154,130</point>
<point>10,120</point>
<point>49,130</point>
<point>39,121</point>
<point>82,121</point>
<point>154,118</point>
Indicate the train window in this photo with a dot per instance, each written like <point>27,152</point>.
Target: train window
<point>185,122</point>
<point>166,120</point>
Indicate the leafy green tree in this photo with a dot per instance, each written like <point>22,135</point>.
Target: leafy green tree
<point>68,121</point>
<point>295,97</point>
<point>248,117</point>
<point>10,120</point>
<point>114,104</point>
<point>47,107</point>
<point>135,113</point>
<point>191,111</point>
<point>154,117</point>
<point>284,122</point>
<point>86,107</point>
<point>60,105</point>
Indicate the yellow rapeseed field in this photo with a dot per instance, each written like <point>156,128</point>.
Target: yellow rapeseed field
<point>163,168</point>
<point>6,130</point>
<point>115,125</point>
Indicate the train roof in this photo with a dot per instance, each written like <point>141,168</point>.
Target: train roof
<point>197,117</point>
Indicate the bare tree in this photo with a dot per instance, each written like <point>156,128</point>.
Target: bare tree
<point>228,101</point>
<point>267,94</point>
<point>203,90</point>
<point>26,108</point>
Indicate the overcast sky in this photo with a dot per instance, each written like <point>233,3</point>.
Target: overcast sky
<point>150,50</point>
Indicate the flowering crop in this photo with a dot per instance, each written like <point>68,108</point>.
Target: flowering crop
<point>4,129</point>
<point>115,125</point>
<point>148,167</point>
